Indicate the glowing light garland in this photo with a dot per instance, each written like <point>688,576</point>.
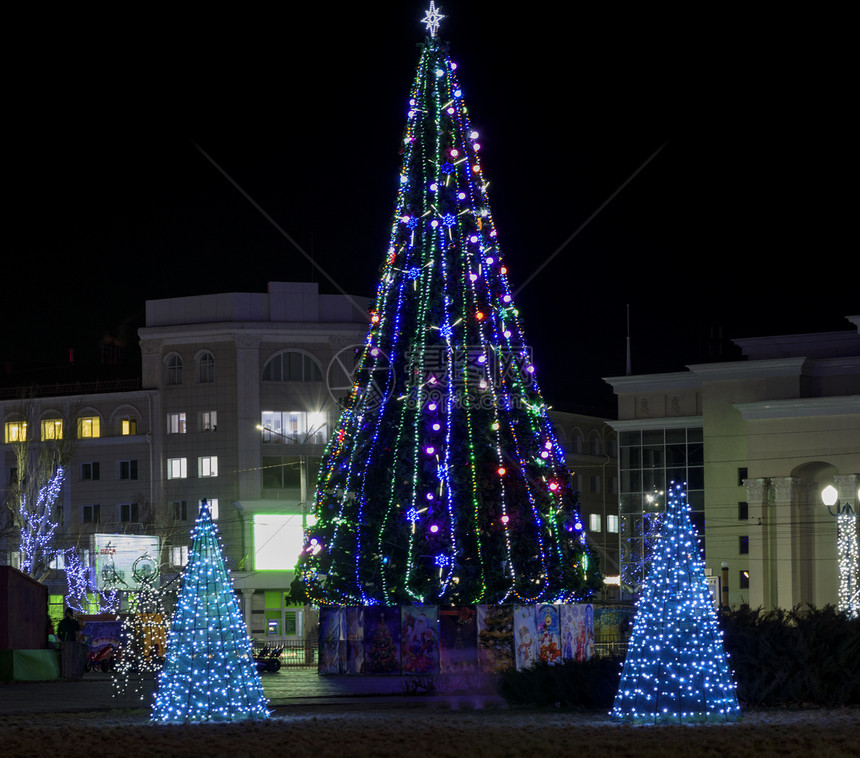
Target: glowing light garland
<point>676,669</point>
<point>37,524</point>
<point>411,503</point>
<point>209,672</point>
<point>144,632</point>
<point>846,548</point>
<point>83,592</point>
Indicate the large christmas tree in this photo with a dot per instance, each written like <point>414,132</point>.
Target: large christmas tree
<point>676,669</point>
<point>443,482</point>
<point>209,673</point>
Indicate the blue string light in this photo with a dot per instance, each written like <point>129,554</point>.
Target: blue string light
<point>676,669</point>
<point>209,672</point>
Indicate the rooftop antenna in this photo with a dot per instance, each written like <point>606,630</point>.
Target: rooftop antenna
<point>629,365</point>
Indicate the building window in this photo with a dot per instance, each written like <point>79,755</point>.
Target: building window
<point>594,483</point>
<point>743,473</point>
<point>176,423</point>
<point>744,545</point>
<point>207,466</point>
<point>285,472</point>
<point>128,426</point>
<point>90,514</point>
<point>594,522</point>
<point>52,429</point>
<point>292,366</point>
<point>16,431</point>
<point>280,427</point>
<point>129,512</point>
<point>206,368</point>
<point>60,512</point>
<point>179,555</point>
<point>90,471</point>
<point>743,580</point>
<point>612,523</point>
<point>743,511</point>
<point>177,468</point>
<point>128,470</point>
<point>212,502</point>
<point>208,421</point>
<point>179,510</point>
<point>89,427</point>
<point>174,369</point>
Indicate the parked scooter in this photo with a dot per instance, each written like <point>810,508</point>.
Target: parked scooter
<point>269,659</point>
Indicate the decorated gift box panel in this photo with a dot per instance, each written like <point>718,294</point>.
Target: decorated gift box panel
<point>429,639</point>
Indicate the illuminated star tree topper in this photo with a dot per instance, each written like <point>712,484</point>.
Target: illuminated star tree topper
<point>432,18</point>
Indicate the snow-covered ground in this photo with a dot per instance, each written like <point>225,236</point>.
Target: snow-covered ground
<point>432,729</point>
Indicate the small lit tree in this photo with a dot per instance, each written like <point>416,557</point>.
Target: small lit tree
<point>209,672</point>
<point>42,449</point>
<point>676,669</point>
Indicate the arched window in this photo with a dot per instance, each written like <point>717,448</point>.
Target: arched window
<point>292,366</point>
<point>174,369</point>
<point>205,367</point>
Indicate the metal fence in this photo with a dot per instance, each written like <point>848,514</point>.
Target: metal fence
<point>293,653</point>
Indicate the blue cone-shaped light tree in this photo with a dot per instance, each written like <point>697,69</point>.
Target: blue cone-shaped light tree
<point>209,672</point>
<point>676,669</point>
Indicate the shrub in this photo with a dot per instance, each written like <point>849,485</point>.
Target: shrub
<point>805,655</point>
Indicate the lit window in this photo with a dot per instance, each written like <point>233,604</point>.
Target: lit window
<point>612,523</point>
<point>174,370</point>
<point>128,470</point>
<point>285,427</point>
<point>207,466</point>
<point>179,555</point>
<point>58,561</point>
<point>212,502</point>
<point>16,431</point>
<point>594,522</point>
<point>89,427</point>
<point>52,429</point>
<point>177,468</point>
<point>176,423</point>
<point>129,512</point>
<point>206,368</point>
<point>208,421</point>
<point>128,426</point>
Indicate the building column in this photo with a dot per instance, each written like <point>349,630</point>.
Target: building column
<point>762,589</point>
<point>247,607</point>
<point>788,558</point>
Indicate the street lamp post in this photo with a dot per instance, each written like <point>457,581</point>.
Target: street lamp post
<point>846,548</point>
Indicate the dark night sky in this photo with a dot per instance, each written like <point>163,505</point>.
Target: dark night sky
<point>735,227</point>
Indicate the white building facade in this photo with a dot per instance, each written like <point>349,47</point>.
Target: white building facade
<point>756,441</point>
